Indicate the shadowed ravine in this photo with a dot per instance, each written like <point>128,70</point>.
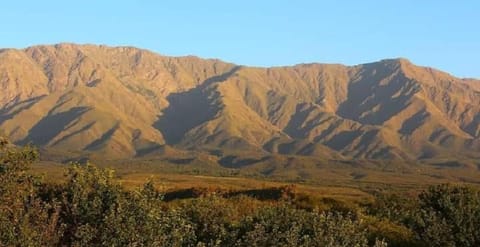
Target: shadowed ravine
<point>51,125</point>
<point>189,109</point>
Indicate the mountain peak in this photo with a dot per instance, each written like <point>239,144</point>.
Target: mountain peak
<point>399,60</point>
<point>127,48</point>
<point>126,101</point>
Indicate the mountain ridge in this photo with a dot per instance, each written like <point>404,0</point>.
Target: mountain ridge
<point>123,102</point>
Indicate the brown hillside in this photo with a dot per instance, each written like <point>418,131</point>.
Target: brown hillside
<point>121,102</point>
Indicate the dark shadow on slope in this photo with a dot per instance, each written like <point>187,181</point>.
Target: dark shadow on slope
<point>51,125</point>
<point>448,164</point>
<point>94,83</point>
<point>437,134</point>
<point>142,146</point>
<point>233,161</point>
<point>370,147</point>
<point>343,139</point>
<point>443,137</point>
<point>154,147</point>
<point>184,161</point>
<point>326,132</point>
<point>294,127</point>
<point>189,109</point>
<point>366,141</point>
<point>220,78</point>
<point>293,147</point>
<point>103,139</point>
<point>473,128</point>
<point>7,113</point>
<point>382,153</point>
<point>84,128</point>
<point>298,127</point>
<point>375,98</point>
<point>414,122</point>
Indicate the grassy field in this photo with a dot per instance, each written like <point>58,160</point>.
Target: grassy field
<point>346,181</point>
<point>171,181</point>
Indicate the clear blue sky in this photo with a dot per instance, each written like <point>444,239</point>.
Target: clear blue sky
<point>440,33</point>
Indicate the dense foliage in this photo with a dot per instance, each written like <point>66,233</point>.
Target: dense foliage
<point>92,209</point>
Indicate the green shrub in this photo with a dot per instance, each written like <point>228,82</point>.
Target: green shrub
<point>213,219</point>
<point>449,216</point>
<point>285,226</point>
<point>25,220</point>
<point>399,208</point>
<point>394,233</point>
<point>98,212</point>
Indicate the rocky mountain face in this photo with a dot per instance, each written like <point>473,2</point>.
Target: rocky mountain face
<point>122,102</point>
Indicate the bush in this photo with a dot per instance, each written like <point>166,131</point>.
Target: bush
<point>394,233</point>
<point>213,220</point>
<point>449,216</point>
<point>399,208</point>
<point>99,213</point>
<point>25,220</point>
<point>285,226</point>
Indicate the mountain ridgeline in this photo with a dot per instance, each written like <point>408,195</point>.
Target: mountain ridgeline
<point>124,102</point>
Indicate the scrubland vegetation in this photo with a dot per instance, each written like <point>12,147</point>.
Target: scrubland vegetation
<point>90,208</point>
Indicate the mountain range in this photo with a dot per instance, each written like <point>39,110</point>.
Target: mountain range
<point>125,102</point>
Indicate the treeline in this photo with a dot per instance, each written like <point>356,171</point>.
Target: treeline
<point>91,209</point>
